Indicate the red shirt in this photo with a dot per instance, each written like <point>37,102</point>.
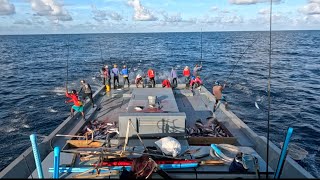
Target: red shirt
<point>166,83</point>
<point>151,73</point>
<point>74,99</point>
<point>186,72</point>
<point>196,80</point>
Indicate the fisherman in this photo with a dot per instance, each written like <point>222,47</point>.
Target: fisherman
<point>125,75</point>
<point>77,103</point>
<point>217,92</point>
<point>196,69</point>
<point>186,74</point>
<point>87,92</point>
<point>195,82</point>
<point>108,74</point>
<point>103,75</point>
<point>174,77</point>
<point>151,76</point>
<point>115,72</point>
<point>138,81</point>
<point>166,83</point>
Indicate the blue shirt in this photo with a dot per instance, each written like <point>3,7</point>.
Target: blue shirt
<point>125,72</point>
<point>115,71</point>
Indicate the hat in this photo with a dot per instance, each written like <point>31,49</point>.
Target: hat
<point>83,81</point>
<point>106,66</point>
<point>138,76</point>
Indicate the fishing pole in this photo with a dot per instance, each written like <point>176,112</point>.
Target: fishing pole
<point>242,54</point>
<point>201,46</point>
<point>269,84</point>
<point>100,53</point>
<point>67,63</point>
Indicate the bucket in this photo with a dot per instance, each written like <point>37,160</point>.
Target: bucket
<point>107,88</point>
<point>152,100</point>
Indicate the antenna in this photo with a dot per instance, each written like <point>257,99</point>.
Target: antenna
<point>269,100</point>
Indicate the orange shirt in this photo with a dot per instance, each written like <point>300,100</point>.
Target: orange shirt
<point>74,99</point>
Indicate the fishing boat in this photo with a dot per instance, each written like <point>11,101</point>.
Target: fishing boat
<point>125,126</point>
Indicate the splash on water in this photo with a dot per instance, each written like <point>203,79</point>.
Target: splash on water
<point>50,109</point>
<point>25,126</point>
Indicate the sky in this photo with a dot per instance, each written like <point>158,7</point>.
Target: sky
<point>135,16</point>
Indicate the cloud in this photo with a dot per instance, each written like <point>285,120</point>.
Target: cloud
<point>214,8</point>
<point>101,15</point>
<point>264,11</point>
<point>247,2</point>
<point>233,19</point>
<point>23,22</point>
<point>312,19</point>
<point>140,12</point>
<point>51,9</point>
<point>6,8</point>
<point>312,8</point>
<point>173,18</point>
<point>222,20</point>
<point>225,11</point>
<point>115,16</point>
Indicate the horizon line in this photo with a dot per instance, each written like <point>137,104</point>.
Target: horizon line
<point>152,32</point>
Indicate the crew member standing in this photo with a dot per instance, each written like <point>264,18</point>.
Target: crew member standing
<point>87,92</point>
<point>151,76</point>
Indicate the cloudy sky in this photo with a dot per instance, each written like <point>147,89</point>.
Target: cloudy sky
<point>108,16</point>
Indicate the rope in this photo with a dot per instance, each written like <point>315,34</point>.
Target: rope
<point>269,100</point>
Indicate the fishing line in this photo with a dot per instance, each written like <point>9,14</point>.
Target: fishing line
<point>269,100</point>
<point>242,55</point>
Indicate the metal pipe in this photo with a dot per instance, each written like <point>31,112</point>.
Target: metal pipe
<point>36,154</point>
<point>56,162</point>
<point>283,154</point>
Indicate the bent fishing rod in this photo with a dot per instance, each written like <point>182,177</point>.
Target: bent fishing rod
<point>242,55</point>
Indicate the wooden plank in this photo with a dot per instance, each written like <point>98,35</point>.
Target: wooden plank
<point>82,144</point>
<point>211,140</point>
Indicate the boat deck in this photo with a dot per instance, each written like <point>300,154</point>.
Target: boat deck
<point>196,105</point>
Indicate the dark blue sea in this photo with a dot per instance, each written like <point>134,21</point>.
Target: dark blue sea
<point>33,74</point>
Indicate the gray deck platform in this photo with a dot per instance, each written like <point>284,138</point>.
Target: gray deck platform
<point>196,105</point>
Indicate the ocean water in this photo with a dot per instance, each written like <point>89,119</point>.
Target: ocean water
<point>33,72</point>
